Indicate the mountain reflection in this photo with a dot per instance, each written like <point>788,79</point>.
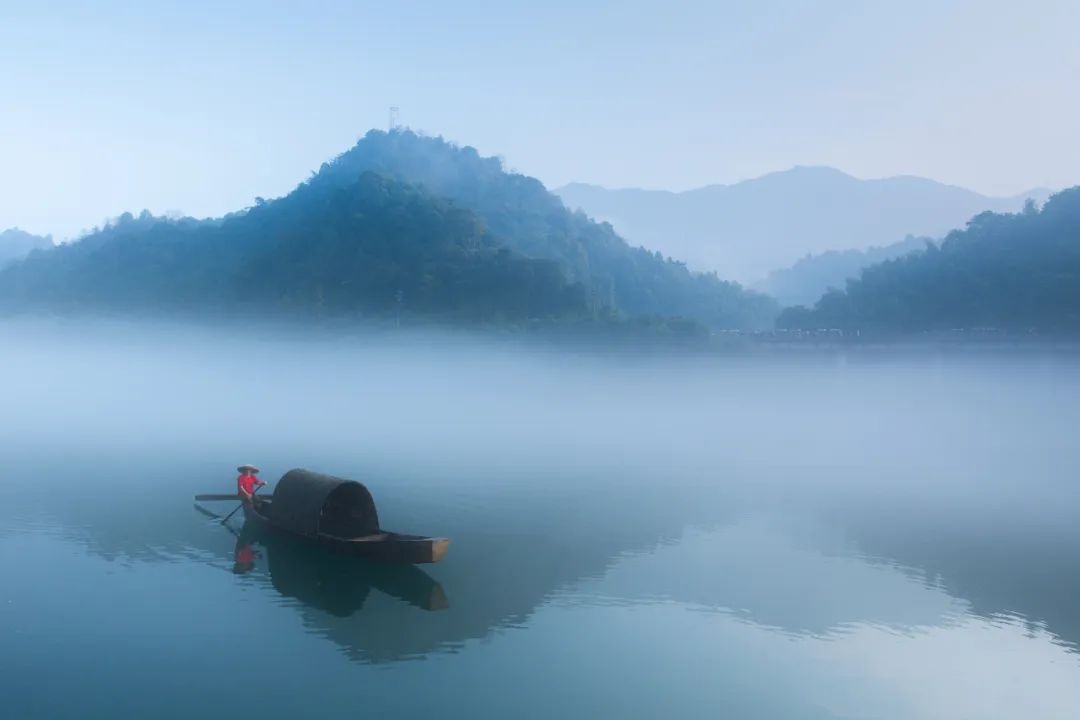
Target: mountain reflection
<point>809,564</point>
<point>497,575</point>
<point>1014,556</point>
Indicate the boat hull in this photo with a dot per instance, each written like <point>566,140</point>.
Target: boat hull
<point>383,546</point>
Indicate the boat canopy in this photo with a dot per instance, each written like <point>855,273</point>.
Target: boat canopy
<point>310,503</point>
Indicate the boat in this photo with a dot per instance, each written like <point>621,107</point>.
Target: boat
<point>340,515</point>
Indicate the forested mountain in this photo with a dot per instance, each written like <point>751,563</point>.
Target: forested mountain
<point>746,230</point>
<point>519,211</point>
<point>371,247</point>
<point>1011,272</point>
<point>809,278</point>
<point>16,244</point>
<point>399,223</point>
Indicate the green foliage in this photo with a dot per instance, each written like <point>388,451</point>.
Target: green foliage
<point>814,275</point>
<point>522,213</point>
<point>399,224</point>
<point>374,248</point>
<point>1013,272</point>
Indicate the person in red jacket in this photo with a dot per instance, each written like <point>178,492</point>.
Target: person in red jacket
<point>247,483</point>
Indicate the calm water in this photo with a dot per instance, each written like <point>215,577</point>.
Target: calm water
<point>833,536</point>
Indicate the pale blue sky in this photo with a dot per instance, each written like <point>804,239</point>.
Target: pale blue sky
<point>200,106</point>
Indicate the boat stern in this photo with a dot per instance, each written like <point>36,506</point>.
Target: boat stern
<point>439,546</point>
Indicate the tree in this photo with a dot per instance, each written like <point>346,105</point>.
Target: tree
<point>1010,272</point>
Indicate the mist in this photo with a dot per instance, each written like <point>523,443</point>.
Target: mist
<point>465,404</point>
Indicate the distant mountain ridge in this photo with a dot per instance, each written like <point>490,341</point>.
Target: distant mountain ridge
<point>16,244</point>
<point>746,230</point>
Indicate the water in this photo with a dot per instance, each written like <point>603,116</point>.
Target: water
<point>860,535</point>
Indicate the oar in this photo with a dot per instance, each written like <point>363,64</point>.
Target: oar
<point>242,504</point>
<point>207,513</point>
<point>212,496</point>
<point>233,512</point>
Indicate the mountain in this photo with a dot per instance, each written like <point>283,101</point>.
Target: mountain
<point>744,231</point>
<point>398,223</point>
<point>370,248</point>
<point>1013,272</point>
<point>521,212</point>
<point>809,278</point>
<point>16,244</point>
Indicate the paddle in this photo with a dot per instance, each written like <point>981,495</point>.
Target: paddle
<point>212,496</point>
<point>241,504</point>
<point>207,513</point>
<point>226,518</point>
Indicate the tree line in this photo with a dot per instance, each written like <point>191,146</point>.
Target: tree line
<point>1013,272</point>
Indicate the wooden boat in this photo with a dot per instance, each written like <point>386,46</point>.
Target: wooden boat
<point>340,515</point>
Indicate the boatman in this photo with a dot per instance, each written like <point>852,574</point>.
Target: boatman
<point>247,483</point>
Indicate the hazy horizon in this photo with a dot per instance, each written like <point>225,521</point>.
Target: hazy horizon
<point>200,109</point>
<point>781,171</point>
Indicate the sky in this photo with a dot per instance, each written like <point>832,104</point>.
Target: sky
<point>198,107</point>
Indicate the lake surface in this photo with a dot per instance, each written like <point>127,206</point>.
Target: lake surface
<point>840,535</point>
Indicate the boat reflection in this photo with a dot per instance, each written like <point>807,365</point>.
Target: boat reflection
<point>336,584</point>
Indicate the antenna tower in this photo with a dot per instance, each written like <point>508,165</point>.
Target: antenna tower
<point>395,124</point>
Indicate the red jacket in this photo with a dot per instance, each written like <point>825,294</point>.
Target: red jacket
<point>248,483</point>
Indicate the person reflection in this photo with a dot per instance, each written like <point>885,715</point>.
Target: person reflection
<point>244,556</point>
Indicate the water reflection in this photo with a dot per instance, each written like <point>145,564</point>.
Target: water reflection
<point>811,595</point>
<point>336,584</point>
<point>1016,560</point>
<point>810,565</point>
<point>513,551</point>
<point>800,583</point>
<point>244,557</point>
<point>515,547</point>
